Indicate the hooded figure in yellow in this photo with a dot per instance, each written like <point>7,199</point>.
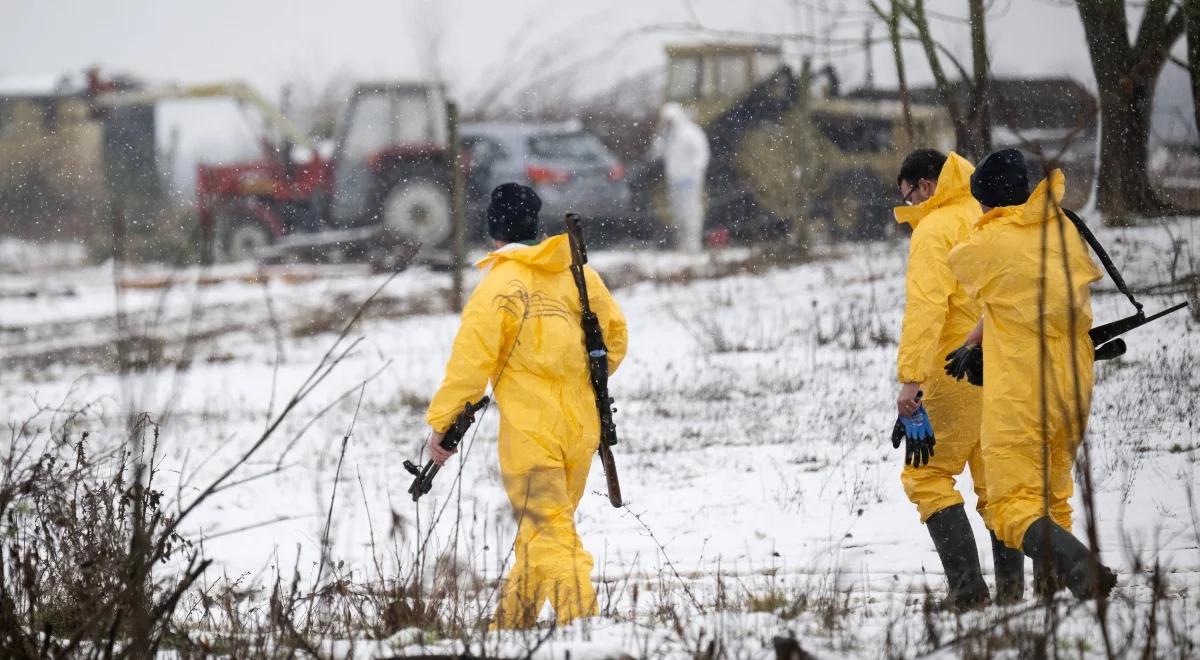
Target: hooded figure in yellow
<point>521,332</point>
<point>1030,269</point>
<point>938,313</point>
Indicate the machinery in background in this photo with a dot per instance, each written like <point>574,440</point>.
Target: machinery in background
<point>382,195</point>
<point>785,157</point>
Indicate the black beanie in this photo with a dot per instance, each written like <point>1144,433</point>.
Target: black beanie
<point>1002,179</point>
<point>512,214</point>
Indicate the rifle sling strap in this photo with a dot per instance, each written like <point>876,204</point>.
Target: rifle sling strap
<point>1105,260</point>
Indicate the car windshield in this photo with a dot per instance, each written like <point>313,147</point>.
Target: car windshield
<point>579,147</point>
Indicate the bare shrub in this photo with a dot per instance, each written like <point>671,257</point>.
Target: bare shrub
<point>717,333</point>
<point>331,316</point>
<point>79,569</point>
<point>851,326</point>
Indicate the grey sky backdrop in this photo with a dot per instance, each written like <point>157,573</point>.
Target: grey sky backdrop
<point>477,44</point>
<point>270,42</point>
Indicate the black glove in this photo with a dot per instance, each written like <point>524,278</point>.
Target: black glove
<point>966,360</point>
<point>917,433</point>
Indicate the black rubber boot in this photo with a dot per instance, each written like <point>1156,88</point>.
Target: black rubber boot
<point>955,543</point>
<point>1070,560</point>
<point>1046,583</point>
<point>1010,572</point>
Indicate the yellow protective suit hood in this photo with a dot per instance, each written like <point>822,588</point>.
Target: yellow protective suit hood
<point>552,254</point>
<point>521,332</point>
<point>953,188</point>
<point>1036,319</point>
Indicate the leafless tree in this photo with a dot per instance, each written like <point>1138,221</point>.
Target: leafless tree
<point>314,104</point>
<point>972,124</point>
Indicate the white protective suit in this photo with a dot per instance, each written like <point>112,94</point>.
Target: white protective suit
<point>684,150</point>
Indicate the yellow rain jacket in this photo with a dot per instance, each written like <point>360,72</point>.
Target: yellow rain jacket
<point>1002,265</point>
<point>521,332</point>
<point>938,314</point>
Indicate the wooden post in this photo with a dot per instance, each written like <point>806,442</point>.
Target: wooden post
<point>457,206</point>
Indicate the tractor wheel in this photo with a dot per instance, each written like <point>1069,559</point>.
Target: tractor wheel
<point>418,211</point>
<point>238,238</point>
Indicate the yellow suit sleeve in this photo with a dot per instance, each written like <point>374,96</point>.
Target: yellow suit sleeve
<point>969,263</point>
<point>928,287</point>
<point>473,359</point>
<point>612,320</point>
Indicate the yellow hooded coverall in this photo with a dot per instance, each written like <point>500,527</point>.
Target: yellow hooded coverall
<point>938,314</point>
<point>1026,409</point>
<point>521,331</point>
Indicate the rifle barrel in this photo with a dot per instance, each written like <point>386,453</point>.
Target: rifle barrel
<point>1103,333</point>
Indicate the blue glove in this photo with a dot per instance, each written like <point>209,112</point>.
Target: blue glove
<point>917,432</point>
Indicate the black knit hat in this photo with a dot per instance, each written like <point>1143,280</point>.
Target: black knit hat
<point>1002,179</point>
<point>512,214</point>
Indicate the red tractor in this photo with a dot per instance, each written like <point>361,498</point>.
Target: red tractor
<point>382,195</point>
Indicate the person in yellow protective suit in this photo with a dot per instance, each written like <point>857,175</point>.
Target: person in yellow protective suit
<point>521,331</point>
<point>937,314</point>
<point>1030,269</point>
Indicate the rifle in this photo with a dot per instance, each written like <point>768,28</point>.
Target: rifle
<point>423,477</point>
<point>597,353</point>
<point>1103,333</point>
<point>1102,336</point>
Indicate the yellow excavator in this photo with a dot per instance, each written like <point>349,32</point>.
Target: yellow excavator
<point>787,156</point>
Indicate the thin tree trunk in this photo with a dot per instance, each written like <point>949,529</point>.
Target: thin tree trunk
<point>981,91</point>
<point>1191,9</point>
<point>917,15</point>
<point>893,25</point>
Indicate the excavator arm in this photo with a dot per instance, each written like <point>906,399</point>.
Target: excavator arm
<point>238,91</point>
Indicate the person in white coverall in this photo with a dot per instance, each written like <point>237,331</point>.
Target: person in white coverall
<point>683,147</point>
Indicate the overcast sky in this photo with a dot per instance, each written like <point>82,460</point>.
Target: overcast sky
<point>268,43</point>
<point>488,42</point>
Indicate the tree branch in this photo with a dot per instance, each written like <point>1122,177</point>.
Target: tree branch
<point>1156,28</point>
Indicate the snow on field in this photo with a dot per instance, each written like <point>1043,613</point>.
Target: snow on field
<point>754,410</point>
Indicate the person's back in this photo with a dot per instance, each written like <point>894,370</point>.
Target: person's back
<point>1033,297</point>
<point>528,298</point>
<point>1011,297</point>
<point>684,149</point>
<point>521,331</point>
<point>1031,270</point>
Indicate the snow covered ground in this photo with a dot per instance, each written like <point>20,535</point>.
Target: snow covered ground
<point>754,410</point>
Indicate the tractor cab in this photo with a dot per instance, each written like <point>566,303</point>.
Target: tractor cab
<point>385,186</point>
<point>707,78</point>
<point>384,189</point>
<point>390,156</point>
